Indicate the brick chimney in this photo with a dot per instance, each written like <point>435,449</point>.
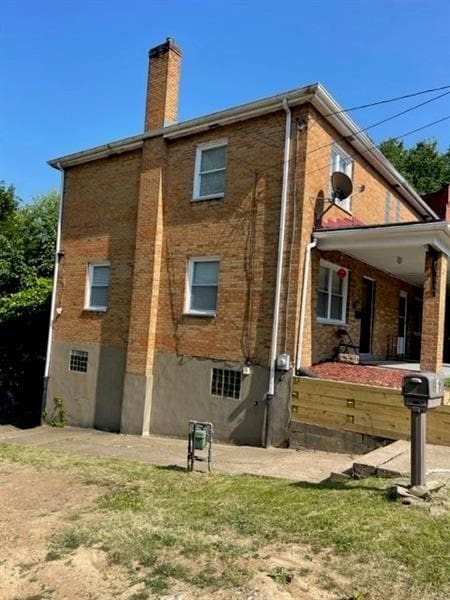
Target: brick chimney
<point>162,86</point>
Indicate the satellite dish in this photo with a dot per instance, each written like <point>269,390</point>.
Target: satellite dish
<point>341,184</point>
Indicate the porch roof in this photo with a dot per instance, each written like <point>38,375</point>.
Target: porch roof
<point>398,248</point>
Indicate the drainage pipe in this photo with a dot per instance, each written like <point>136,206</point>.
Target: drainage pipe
<point>54,290</point>
<point>276,311</point>
<point>301,325</point>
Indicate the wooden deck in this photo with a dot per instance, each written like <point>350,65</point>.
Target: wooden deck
<point>362,408</point>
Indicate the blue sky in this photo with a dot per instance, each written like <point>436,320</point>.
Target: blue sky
<point>74,71</point>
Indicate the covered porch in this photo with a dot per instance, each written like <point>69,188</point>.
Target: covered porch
<point>411,318</point>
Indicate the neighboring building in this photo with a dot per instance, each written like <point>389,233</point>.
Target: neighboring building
<point>440,202</point>
<point>181,274</point>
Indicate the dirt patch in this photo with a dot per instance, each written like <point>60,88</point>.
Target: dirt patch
<point>38,505</point>
<point>294,572</point>
<point>391,378</point>
<point>35,506</point>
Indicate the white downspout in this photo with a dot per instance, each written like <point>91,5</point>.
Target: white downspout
<point>54,290</point>
<point>276,310</point>
<point>301,325</point>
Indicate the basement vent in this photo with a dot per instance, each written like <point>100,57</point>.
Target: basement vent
<point>226,383</point>
<point>78,361</point>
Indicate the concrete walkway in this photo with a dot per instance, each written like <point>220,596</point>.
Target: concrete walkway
<point>407,366</point>
<point>297,465</point>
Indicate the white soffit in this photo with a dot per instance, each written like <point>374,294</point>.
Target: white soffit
<point>398,250</point>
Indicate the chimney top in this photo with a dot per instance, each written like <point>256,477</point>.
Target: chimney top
<point>163,85</point>
<point>169,44</point>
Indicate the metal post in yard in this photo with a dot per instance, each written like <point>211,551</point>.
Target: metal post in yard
<point>418,437</point>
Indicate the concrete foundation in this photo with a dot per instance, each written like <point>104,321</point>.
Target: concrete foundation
<point>136,404</point>
<point>92,399</point>
<point>313,437</point>
<point>179,390</point>
<point>182,392</point>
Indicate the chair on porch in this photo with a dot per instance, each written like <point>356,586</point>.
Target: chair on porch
<point>345,344</point>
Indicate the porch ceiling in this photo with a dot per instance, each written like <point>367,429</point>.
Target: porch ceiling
<point>396,249</point>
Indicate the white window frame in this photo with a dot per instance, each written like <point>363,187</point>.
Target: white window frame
<point>333,267</point>
<point>89,279</point>
<point>346,204</point>
<point>197,174</point>
<point>189,279</point>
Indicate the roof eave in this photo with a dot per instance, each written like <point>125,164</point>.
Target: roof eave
<point>315,93</point>
<point>118,147</point>
<point>225,117</point>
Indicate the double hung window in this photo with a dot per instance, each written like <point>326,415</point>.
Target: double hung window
<point>210,170</point>
<point>332,293</point>
<point>202,284</point>
<point>97,286</point>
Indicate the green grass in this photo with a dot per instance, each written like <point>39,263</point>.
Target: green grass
<point>172,528</point>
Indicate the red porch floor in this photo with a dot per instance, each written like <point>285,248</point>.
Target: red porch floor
<point>391,378</point>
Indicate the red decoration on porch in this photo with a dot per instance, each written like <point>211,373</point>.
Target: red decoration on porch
<point>341,273</point>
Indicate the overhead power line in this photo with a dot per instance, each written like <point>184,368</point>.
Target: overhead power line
<point>375,147</point>
<point>386,101</point>
<point>423,127</point>
<point>252,168</point>
<point>390,118</point>
<point>362,130</point>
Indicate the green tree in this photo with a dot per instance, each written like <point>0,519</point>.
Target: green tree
<point>27,247</point>
<point>427,169</point>
<point>8,203</point>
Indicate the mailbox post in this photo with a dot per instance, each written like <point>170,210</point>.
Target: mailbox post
<point>420,393</point>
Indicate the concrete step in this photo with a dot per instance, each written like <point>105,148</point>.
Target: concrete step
<point>394,461</point>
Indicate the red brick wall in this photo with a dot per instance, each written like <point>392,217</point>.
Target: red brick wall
<point>99,224</point>
<point>241,229</point>
<point>387,294</point>
<point>102,199</point>
<point>368,207</point>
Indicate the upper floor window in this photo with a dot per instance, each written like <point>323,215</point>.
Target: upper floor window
<point>202,284</point>
<point>210,169</point>
<point>97,286</point>
<point>341,161</point>
<point>332,293</point>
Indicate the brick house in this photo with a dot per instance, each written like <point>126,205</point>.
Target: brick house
<point>195,258</point>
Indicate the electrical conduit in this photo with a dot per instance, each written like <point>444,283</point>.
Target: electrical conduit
<point>276,312</point>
